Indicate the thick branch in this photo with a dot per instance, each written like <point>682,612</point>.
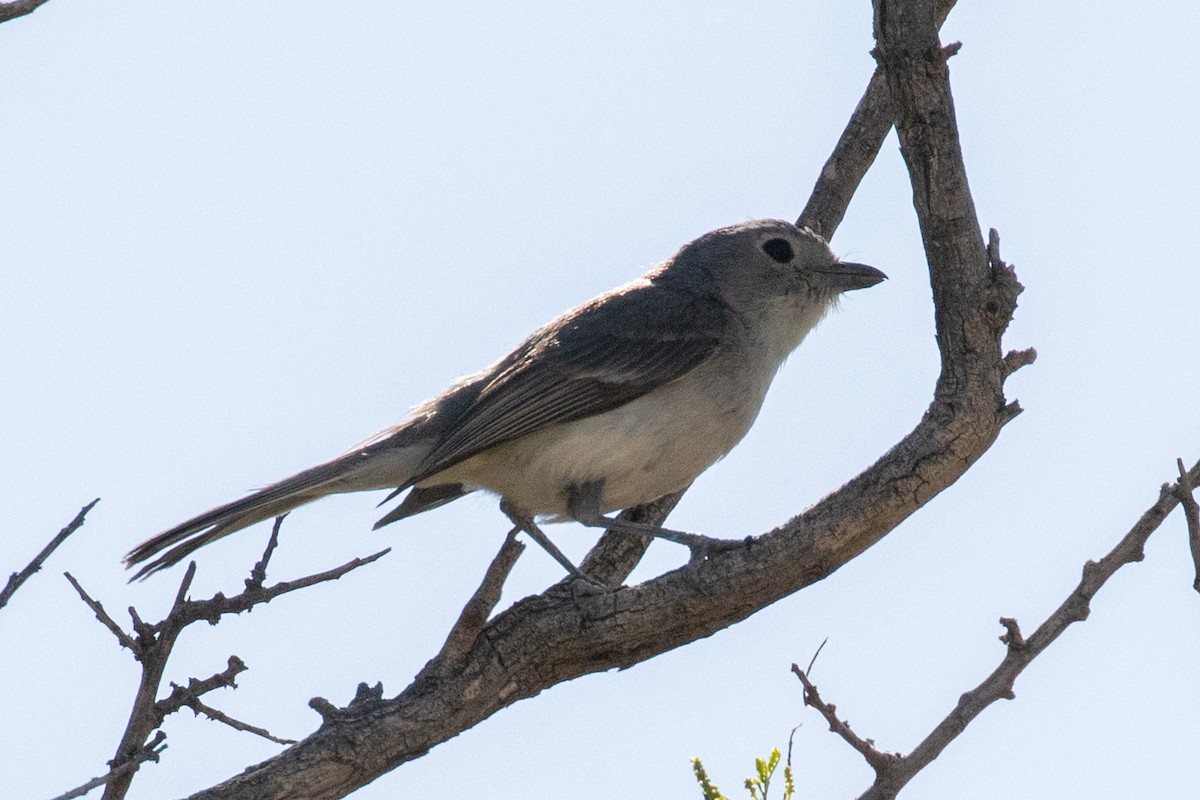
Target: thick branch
<point>616,554</point>
<point>854,153</point>
<point>18,8</point>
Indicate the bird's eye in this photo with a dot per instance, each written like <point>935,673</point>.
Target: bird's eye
<point>779,249</point>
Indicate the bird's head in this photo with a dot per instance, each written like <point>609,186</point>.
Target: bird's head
<point>763,262</point>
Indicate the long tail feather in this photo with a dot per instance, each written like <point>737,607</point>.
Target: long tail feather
<point>355,471</point>
<point>191,535</point>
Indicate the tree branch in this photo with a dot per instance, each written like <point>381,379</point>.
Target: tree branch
<point>181,696</point>
<point>617,553</point>
<point>198,706</point>
<point>854,152</point>
<point>152,645</point>
<point>18,8</point>
<point>150,752</point>
<point>16,580</point>
<point>878,761</point>
<point>1191,512</point>
<point>122,638</point>
<point>475,614</point>
<point>893,771</point>
<point>217,606</point>
<point>556,636</point>
<point>844,170</point>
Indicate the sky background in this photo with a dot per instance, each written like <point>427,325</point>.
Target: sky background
<point>237,239</point>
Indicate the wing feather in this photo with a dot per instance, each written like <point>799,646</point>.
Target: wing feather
<point>593,359</point>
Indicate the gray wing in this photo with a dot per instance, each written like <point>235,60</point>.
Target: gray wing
<point>591,360</point>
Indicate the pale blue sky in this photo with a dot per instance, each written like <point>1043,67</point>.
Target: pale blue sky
<point>238,239</point>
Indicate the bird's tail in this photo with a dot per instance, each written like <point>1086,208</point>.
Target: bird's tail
<point>358,470</point>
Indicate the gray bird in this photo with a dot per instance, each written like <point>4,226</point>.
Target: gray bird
<point>615,403</point>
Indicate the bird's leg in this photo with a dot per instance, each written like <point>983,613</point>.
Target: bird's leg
<point>524,521</point>
<point>584,506</point>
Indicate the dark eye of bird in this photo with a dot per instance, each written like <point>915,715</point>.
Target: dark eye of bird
<point>779,249</point>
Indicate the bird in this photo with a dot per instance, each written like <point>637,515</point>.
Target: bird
<point>617,402</point>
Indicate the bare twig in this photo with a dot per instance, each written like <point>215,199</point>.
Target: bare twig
<point>218,605</point>
<point>18,8</point>
<point>791,740</point>
<point>181,595</point>
<point>198,706</point>
<point>477,610</point>
<point>155,642</point>
<point>104,618</point>
<point>879,761</point>
<point>365,698</point>
<point>150,752</point>
<point>18,578</point>
<point>258,575</point>
<point>894,772</point>
<point>813,660</point>
<point>1015,359</point>
<point>1184,491</point>
<point>142,629</point>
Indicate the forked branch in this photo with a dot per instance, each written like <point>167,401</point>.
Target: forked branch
<point>894,771</point>
<point>152,644</point>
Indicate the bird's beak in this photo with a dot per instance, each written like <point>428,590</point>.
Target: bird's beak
<point>844,276</point>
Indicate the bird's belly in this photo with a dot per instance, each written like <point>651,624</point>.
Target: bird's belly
<point>652,446</point>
